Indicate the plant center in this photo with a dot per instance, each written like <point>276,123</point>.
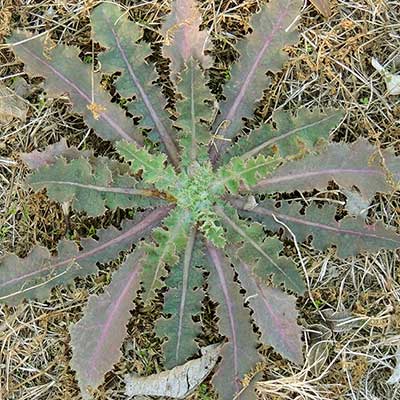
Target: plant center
<point>193,192</point>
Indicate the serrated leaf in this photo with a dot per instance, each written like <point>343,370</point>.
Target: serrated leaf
<point>154,168</point>
<point>170,240</point>
<point>114,31</point>
<point>357,164</point>
<point>182,36</point>
<point>37,159</point>
<point>261,51</point>
<point>289,136</point>
<point>182,302</point>
<point>97,338</point>
<point>351,236</point>
<point>193,112</point>
<point>65,73</point>
<point>240,173</point>
<point>274,313</point>
<point>260,251</point>
<point>177,383</point>
<point>90,186</point>
<point>239,354</point>
<point>34,276</point>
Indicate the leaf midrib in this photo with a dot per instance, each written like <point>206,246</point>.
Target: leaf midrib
<point>82,94</point>
<point>264,211</point>
<point>271,141</point>
<point>122,190</point>
<point>185,283</point>
<point>255,245</point>
<point>112,314</point>
<point>162,131</point>
<point>239,98</point>
<point>150,219</point>
<point>216,257</point>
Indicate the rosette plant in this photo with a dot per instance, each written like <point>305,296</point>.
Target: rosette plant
<point>203,191</point>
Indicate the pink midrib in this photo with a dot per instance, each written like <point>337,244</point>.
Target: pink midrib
<point>103,115</point>
<point>112,315</point>
<point>157,214</point>
<point>264,211</point>
<point>187,262</point>
<point>330,171</point>
<point>216,258</point>
<point>233,110</point>
<point>271,312</point>
<point>162,131</point>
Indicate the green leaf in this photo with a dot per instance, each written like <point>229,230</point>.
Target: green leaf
<point>289,136</point>
<point>182,302</point>
<point>97,338</point>
<point>239,353</point>
<point>154,168</point>
<point>170,240</point>
<point>194,113</point>
<point>120,36</point>
<point>358,164</point>
<point>243,174</point>
<point>66,73</point>
<point>91,185</point>
<point>274,313</point>
<point>34,276</point>
<point>182,36</point>
<point>260,52</point>
<point>260,251</point>
<point>351,236</point>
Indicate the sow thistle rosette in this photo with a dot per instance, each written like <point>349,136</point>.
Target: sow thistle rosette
<point>205,219</point>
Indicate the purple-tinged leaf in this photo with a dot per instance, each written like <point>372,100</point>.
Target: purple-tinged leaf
<point>260,52</point>
<point>239,353</point>
<point>182,302</point>
<point>260,251</point>
<point>37,159</point>
<point>274,313</point>
<point>32,277</point>
<point>289,136</point>
<point>65,73</point>
<point>182,36</point>
<point>358,164</point>
<point>97,338</point>
<point>351,236</point>
<point>92,185</point>
<point>114,31</point>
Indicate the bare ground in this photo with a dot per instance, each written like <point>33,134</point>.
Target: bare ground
<point>330,66</point>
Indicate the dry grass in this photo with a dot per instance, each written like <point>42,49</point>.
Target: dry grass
<point>330,66</point>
